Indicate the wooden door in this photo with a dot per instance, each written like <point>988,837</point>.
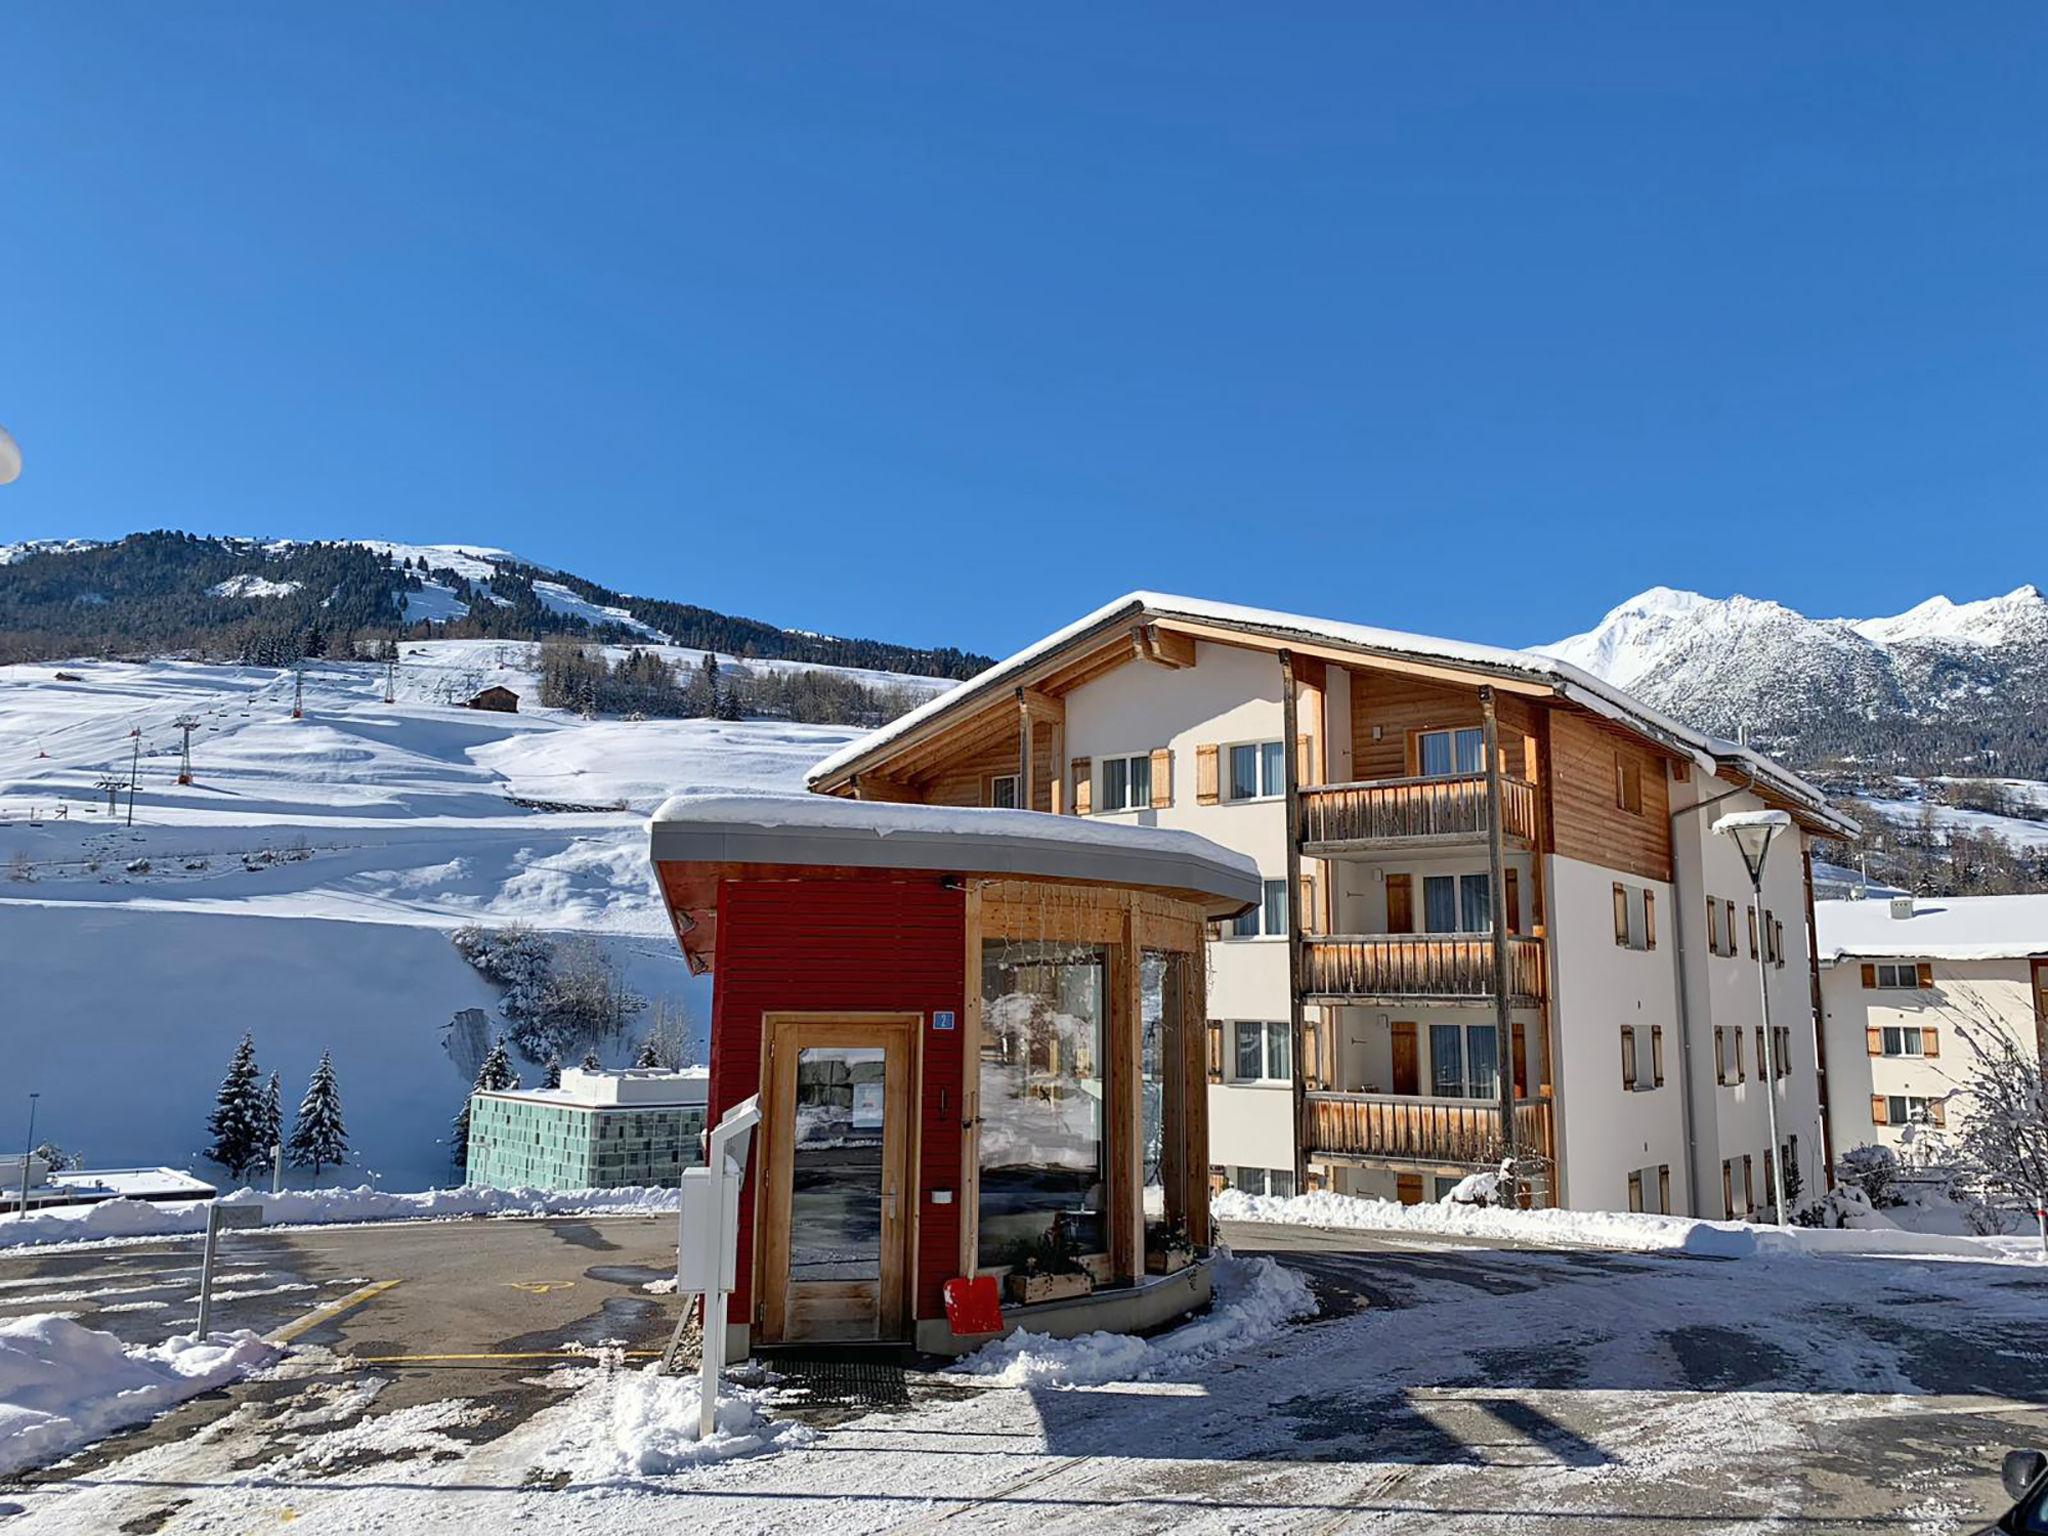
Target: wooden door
<point>1400,904</point>
<point>1407,1060</point>
<point>1408,1188</point>
<point>836,1183</point>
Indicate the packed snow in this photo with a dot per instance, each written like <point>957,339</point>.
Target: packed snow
<point>625,1426</point>
<point>305,884</point>
<point>557,598</point>
<point>1255,1298</point>
<point>1940,928</point>
<point>63,1386</point>
<point>249,584</point>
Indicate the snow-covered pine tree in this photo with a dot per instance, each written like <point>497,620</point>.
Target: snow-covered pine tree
<point>551,1074</point>
<point>650,1054</point>
<point>318,1136</point>
<point>494,1074</point>
<point>591,1063</point>
<point>236,1124</point>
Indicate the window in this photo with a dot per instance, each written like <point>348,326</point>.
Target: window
<point>1268,918</point>
<point>1642,1057</point>
<point>1127,782</point>
<point>1264,1052</point>
<point>1901,977</point>
<point>1278,1182</point>
<point>1628,785</point>
<point>1002,791</point>
<point>1649,1189</point>
<point>1902,1040</point>
<point>1635,917</point>
<point>1441,754</point>
<point>1463,1062</point>
<point>1784,1039</point>
<point>1457,904</point>
<point>1909,1109</point>
<point>1258,771</point>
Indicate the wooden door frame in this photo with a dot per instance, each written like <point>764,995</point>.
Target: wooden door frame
<point>843,1029</point>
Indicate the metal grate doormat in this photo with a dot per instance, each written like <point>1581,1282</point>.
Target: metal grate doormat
<point>843,1383</point>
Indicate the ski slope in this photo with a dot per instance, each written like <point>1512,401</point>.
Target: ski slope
<point>304,885</point>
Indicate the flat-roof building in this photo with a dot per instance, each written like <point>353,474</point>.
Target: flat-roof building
<point>599,1130</point>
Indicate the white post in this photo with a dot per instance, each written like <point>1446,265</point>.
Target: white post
<point>206,1270</point>
<point>276,1167</point>
<point>737,1127</point>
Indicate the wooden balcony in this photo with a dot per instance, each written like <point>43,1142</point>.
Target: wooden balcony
<point>1389,815</point>
<point>1404,1128</point>
<point>1394,968</point>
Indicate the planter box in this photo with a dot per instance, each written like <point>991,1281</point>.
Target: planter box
<point>1023,1290</point>
<point>1167,1261</point>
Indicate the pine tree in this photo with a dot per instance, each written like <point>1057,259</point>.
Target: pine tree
<point>494,1074</point>
<point>318,1136</point>
<point>591,1063</point>
<point>649,1056</point>
<point>551,1074</point>
<point>236,1124</point>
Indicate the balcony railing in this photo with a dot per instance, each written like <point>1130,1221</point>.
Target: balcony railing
<point>1413,1129</point>
<point>1397,967</point>
<point>1395,813</point>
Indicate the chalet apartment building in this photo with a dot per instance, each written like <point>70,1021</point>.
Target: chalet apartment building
<point>1354,1017</point>
<point>1904,982</point>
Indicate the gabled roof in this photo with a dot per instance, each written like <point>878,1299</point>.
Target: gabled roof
<point>1713,754</point>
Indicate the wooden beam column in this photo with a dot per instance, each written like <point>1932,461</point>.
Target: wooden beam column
<point>1290,727</point>
<point>1122,1122</point>
<point>1194,1067</point>
<point>1496,872</point>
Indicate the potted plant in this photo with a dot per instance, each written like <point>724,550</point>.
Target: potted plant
<point>1048,1269</point>
<point>1169,1251</point>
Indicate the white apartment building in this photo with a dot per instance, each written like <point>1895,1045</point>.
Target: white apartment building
<point>1355,1018</point>
<point>1904,982</point>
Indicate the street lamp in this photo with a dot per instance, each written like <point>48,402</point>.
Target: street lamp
<point>1752,832</point>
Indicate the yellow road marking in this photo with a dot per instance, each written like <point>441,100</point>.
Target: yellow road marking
<point>329,1312</point>
<point>540,1287</point>
<point>528,1354</point>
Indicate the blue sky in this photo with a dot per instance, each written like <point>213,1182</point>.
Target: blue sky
<point>945,323</point>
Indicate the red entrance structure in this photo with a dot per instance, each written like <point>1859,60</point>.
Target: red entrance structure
<point>978,1038</point>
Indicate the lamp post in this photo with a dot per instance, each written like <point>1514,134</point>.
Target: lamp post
<point>28,1153</point>
<point>1752,832</point>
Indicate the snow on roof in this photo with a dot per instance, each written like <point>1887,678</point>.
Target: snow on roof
<point>1941,928</point>
<point>1572,683</point>
<point>1734,821</point>
<point>702,827</point>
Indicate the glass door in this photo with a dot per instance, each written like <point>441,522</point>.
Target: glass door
<point>837,1186</point>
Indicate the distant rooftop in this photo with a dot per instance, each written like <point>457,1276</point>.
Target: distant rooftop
<point>628,1088</point>
<point>1940,928</point>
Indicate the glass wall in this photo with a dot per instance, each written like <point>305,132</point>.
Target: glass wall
<point>1043,1153</point>
<point>835,1197</point>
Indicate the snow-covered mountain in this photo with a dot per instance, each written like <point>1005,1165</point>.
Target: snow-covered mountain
<point>1942,686</point>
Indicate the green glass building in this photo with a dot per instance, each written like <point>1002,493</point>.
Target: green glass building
<point>599,1130</point>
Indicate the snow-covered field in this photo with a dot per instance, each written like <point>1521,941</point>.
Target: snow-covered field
<point>304,885</point>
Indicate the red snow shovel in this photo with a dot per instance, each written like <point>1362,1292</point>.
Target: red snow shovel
<point>973,1306</point>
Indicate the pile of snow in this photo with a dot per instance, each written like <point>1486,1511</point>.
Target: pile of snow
<point>1255,1299</point>
<point>63,1386</point>
<point>629,1425</point>
<point>321,1207</point>
<point>1621,1230</point>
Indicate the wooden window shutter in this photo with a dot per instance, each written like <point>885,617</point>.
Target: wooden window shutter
<point>1778,938</point>
<point>1873,1039</point>
<point>1752,933</point>
<point>1162,778</point>
<point>1926,977</point>
<point>1930,1040</point>
<point>1762,1057</point>
<point>1713,927</point>
<point>1664,1188</point>
<point>1720,1054</point>
<point>1937,1111</point>
<point>1635,1191</point>
<point>1206,776</point>
<point>1308,905</point>
<point>1083,774</point>
<point>1628,1056</point>
<point>1877,1111</point>
<point>1219,1181</point>
<point>1649,919</point>
<point>1728,1188</point>
<point>1729,908</point>
<point>1741,1074</point>
<point>1748,1183</point>
<point>1512,880</point>
<point>1657,1055</point>
<point>1215,1051</point>
<point>1621,914</point>
<point>1305,759</point>
<point>1869,977</point>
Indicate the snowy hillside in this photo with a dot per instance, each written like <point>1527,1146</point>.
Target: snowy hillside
<point>1943,687</point>
<point>304,885</point>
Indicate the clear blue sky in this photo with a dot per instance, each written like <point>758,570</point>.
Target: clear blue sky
<point>947,322</point>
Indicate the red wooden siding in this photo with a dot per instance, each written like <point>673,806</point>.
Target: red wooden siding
<point>854,946</point>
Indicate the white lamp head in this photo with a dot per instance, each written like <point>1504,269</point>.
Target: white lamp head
<point>1751,832</point>
<point>10,458</point>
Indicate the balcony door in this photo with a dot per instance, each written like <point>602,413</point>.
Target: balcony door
<point>836,1183</point>
<point>1407,1073</point>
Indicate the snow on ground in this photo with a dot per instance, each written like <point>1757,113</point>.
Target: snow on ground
<point>63,1386</point>
<point>624,1426</point>
<point>304,885</point>
<point>145,1219</point>
<point>248,584</point>
<point>1619,1230</point>
<point>557,598</point>
<point>1255,1299</point>
<point>2031,836</point>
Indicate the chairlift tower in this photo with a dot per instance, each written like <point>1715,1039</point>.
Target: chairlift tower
<point>109,784</point>
<point>188,724</point>
<point>299,692</point>
<point>391,680</point>
<point>134,768</point>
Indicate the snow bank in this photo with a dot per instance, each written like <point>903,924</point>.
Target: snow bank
<point>316,1207</point>
<point>627,1425</point>
<point>63,1386</point>
<point>1255,1299</point>
<point>1590,1229</point>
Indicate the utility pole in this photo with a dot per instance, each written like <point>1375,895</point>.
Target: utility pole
<point>188,724</point>
<point>27,1153</point>
<point>299,692</point>
<point>134,769</point>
